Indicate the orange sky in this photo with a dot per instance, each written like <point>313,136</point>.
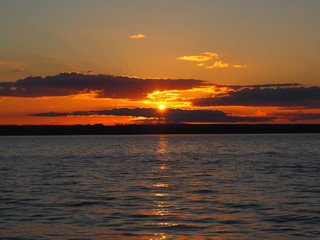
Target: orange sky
<point>78,98</point>
<point>208,61</point>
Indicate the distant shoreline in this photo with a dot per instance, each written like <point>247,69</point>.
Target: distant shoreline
<point>99,129</point>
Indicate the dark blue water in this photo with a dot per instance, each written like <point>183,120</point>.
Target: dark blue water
<point>160,187</point>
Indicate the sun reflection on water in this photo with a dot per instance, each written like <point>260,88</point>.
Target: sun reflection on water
<point>162,147</point>
<point>161,194</point>
<point>161,185</point>
<point>159,236</point>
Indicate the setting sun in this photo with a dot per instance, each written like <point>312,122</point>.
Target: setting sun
<point>162,107</point>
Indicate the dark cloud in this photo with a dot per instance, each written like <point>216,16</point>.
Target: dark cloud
<point>52,114</point>
<point>170,115</point>
<point>263,97</point>
<point>298,116</point>
<point>268,85</point>
<point>106,86</point>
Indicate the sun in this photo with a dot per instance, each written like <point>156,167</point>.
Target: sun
<point>162,107</point>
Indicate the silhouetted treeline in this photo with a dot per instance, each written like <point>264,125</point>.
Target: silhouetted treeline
<point>99,129</point>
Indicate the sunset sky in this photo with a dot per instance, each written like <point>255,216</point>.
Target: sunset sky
<point>117,61</point>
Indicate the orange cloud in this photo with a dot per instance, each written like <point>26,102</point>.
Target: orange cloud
<point>211,54</point>
<point>239,66</point>
<point>203,57</point>
<point>195,58</point>
<point>137,36</point>
<point>219,64</point>
<point>205,61</point>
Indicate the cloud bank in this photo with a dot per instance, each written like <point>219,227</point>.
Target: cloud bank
<point>308,97</point>
<point>297,116</point>
<point>133,88</point>
<point>105,86</point>
<point>170,115</point>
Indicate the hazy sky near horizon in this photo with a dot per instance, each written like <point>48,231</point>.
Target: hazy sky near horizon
<point>232,42</point>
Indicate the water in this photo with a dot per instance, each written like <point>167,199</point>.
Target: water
<point>160,187</point>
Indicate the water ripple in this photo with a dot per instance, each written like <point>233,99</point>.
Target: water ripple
<point>160,187</point>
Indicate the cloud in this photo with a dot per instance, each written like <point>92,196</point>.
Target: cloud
<point>137,36</point>
<point>211,54</point>
<point>104,86</point>
<point>195,58</point>
<point>263,97</point>
<point>219,64</point>
<point>53,114</point>
<point>277,85</point>
<point>205,61</point>
<point>203,57</point>
<point>239,66</point>
<point>298,116</point>
<point>170,115</point>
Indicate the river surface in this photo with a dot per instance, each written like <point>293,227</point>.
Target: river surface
<point>160,187</point>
